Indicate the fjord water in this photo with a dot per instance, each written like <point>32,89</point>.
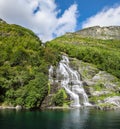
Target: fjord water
<point>60,119</point>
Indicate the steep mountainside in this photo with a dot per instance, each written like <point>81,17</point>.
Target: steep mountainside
<point>111,32</point>
<point>105,54</point>
<point>97,61</point>
<point>24,66</point>
<point>70,71</point>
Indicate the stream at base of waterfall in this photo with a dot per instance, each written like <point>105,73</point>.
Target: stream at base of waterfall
<point>71,81</point>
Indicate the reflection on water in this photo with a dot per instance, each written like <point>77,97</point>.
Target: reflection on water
<point>104,119</point>
<point>75,119</point>
<point>60,119</point>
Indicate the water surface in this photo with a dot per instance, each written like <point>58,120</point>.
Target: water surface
<point>60,119</point>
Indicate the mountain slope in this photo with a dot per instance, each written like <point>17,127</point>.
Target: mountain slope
<point>24,66</point>
<point>98,62</point>
<point>105,54</point>
<point>110,32</point>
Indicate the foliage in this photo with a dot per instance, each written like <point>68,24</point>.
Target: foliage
<point>33,93</point>
<point>59,98</point>
<point>24,64</point>
<point>105,54</point>
<point>99,87</point>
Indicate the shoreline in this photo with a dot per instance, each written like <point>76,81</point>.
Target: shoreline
<point>18,107</point>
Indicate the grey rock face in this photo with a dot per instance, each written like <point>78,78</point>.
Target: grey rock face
<point>102,87</point>
<point>111,32</point>
<point>2,21</point>
<point>113,100</point>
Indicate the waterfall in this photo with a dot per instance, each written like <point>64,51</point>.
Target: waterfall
<point>51,74</point>
<point>70,80</point>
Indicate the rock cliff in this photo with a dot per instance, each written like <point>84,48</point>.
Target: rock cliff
<point>111,32</point>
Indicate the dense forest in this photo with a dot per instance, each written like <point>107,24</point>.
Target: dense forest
<point>24,64</point>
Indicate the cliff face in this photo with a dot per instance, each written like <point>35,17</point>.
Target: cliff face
<point>74,83</point>
<point>111,32</point>
<point>102,88</point>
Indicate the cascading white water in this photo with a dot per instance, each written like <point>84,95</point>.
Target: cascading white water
<point>71,82</point>
<point>51,74</point>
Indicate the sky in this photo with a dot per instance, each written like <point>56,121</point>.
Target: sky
<point>52,18</point>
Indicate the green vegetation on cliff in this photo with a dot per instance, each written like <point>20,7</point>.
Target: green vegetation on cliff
<point>24,64</point>
<point>105,54</point>
<point>59,98</point>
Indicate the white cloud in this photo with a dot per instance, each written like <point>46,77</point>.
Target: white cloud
<point>45,22</point>
<point>67,21</point>
<point>107,17</point>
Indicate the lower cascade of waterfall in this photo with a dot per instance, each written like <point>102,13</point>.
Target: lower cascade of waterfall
<point>70,80</point>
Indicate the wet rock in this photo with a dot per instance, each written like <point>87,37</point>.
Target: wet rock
<point>113,100</point>
<point>99,93</point>
<point>18,107</point>
<point>100,86</point>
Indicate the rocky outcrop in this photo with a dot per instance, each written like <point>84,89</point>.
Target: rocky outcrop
<point>102,88</point>
<point>70,80</point>
<point>2,21</point>
<point>111,32</point>
<point>113,100</point>
<point>18,107</point>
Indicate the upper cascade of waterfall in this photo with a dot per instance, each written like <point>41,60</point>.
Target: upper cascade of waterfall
<point>71,81</point>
